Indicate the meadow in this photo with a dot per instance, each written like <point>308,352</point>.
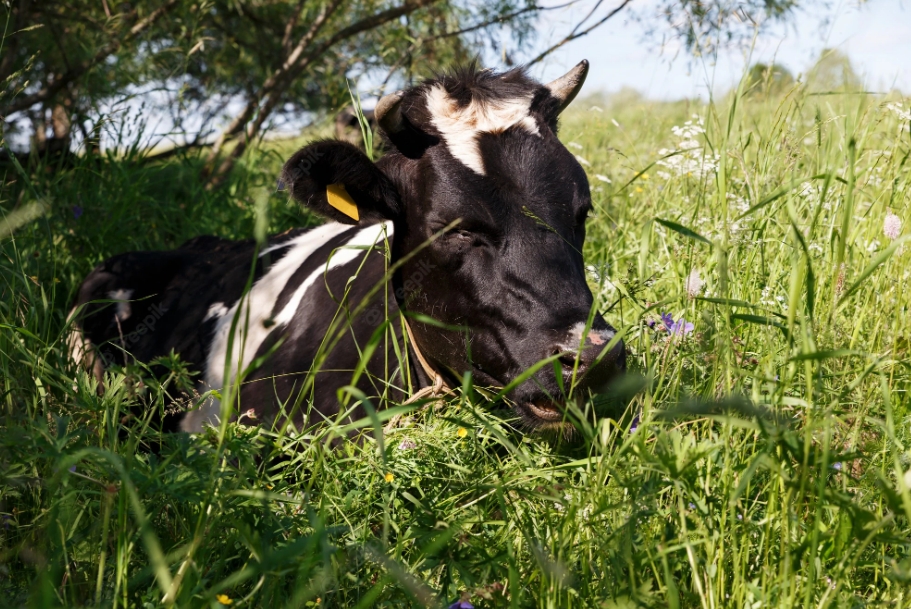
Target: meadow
<point>752,250</point>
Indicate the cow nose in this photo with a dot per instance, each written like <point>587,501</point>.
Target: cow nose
<point>587,359</point>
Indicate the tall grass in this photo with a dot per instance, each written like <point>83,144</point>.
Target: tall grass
<point>762,461</point>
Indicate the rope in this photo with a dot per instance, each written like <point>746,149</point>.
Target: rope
<point>438,389</point>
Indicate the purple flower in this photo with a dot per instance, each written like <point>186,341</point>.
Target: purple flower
<point>73,469</point>
<point>681,327</point>
<point>460,604</point>
<point>837,466</point>
<point>635,424</point>
<point>280,185</point>
<point>77,211</point>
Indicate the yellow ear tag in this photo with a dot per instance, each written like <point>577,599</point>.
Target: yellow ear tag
<point>340,199</point>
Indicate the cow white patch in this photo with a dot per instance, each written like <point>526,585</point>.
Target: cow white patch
<point>124,310</point>
<point>217,309</point>
<point>460,127</point>
<point>254,325</point>
<point>595,337</point>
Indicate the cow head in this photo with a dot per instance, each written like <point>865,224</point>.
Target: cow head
<point>481,191</point>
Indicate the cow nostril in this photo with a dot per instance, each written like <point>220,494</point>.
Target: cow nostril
<point>568,359</point>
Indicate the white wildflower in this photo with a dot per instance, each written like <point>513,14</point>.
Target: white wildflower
<point>583,161</point>
<point>693,284</point>
<point>614,121</point>
<point>689,158</point>
<point>595,109</point>
<point>575,145</point>
<point>892,226</point>
<point>604,179</point>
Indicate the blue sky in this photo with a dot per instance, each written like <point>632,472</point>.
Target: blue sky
<point>876,36</point>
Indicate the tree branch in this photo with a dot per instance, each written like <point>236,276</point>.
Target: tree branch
<point>49,91</point>
<point>577,34</point>
<point>276,85</point>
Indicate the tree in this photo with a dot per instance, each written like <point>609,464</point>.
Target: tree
<point>833,72</point>
<point>764,79</point>
<point>268,60</point>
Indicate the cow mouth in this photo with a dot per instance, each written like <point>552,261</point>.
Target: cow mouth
<point>545,410</point>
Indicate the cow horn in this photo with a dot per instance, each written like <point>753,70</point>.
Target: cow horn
<point>388,112</point>
<point>567,86</point>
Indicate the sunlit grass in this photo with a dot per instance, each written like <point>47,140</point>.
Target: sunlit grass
<point>761,463</point>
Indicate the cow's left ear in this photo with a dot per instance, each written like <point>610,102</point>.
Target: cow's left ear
<point>338,181</point>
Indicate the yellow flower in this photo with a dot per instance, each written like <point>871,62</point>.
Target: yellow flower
<point>462,432</point>
<point>639,189</point>
<point>224,599</point>
<point>644,176</point>
<point>390,476</point>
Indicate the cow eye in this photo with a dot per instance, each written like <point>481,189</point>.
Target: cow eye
<point>462,240</point>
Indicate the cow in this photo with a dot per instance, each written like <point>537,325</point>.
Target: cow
<point>466,238</point>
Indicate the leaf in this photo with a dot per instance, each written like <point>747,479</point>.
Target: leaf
<point>730,302</point>
<point>683,230</point>
<point>760,320</point>
<point>779,193</point>
<point>821,355</point>
<point>874,264</point>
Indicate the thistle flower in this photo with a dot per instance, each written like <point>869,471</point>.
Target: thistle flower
<point>681,327</point>
<point>693,284</point>
<point>892,226</point>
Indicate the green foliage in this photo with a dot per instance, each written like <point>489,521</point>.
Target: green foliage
<point>765,79</point>
<point>769,462</point>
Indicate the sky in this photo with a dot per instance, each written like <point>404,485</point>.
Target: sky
<point>875,35</point>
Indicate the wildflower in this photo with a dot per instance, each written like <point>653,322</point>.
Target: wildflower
<point>575,145</point>
<point>582,160</point>
<point>681,327</point>
<point>389,477</point>
<point>614,121</point>
<point>462,432</point>
<point>407,444</point>
<point>604,179</point>
<point>693,284</point>
<point>837,466</point>
<point>595,109</point>
<point>461,604</point>
<point>635,424</point>
<point>892,226</point>
<point>224,599</point>
<point>73,469</point>
<point>639,189</point>
<point>77,211</point>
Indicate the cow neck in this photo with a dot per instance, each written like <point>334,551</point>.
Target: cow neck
<point>438,387</point>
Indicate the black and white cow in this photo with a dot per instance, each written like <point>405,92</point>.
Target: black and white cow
<point>483,212</point>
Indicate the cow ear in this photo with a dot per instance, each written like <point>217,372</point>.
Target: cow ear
<point>338,181</point>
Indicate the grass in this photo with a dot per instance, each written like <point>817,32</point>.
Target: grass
<point>762,461</point>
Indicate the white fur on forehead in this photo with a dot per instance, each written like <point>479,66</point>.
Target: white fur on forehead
<point>460,127</point>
